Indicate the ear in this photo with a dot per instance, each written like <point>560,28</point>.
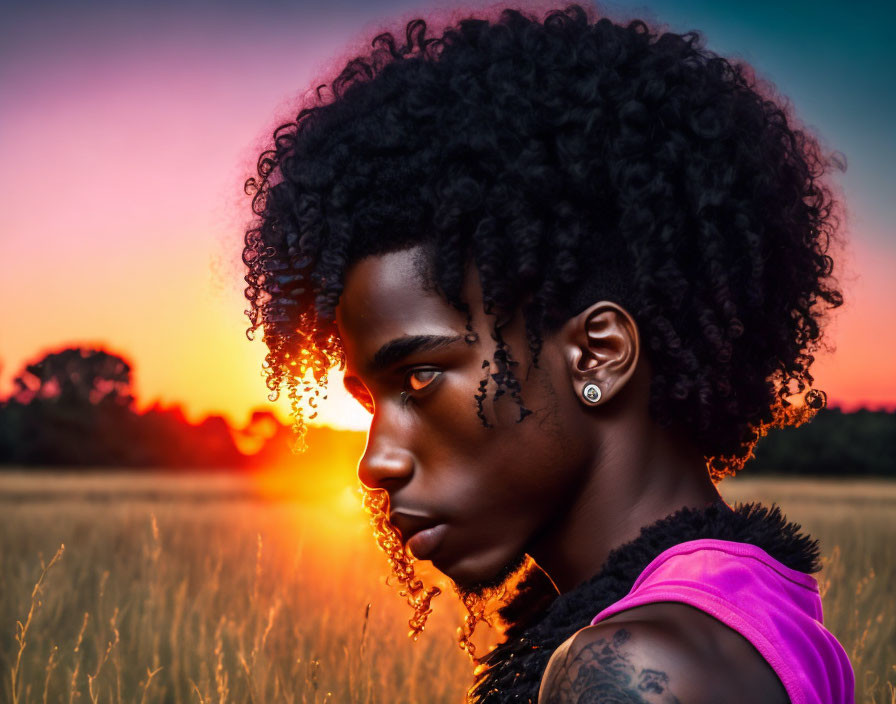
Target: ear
<point>601,346</point>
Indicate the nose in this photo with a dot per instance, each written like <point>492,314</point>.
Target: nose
<point>384,462</point>
<point>381,467</point>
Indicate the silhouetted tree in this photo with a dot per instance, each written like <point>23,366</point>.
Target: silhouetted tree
<point>76,377</point>
<point>74,406</point>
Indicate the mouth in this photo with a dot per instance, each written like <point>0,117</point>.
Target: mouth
<point>422,535</point>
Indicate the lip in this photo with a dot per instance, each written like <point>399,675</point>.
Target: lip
<point>427,541</point>
<point>421,534</point>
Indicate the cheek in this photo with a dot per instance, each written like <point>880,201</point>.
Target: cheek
<point>542,465</point>
<point>511,459</point>
<point>548,452</point>
<point>524,461</point>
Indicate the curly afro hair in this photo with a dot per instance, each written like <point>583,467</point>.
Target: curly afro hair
<point>572,160</point>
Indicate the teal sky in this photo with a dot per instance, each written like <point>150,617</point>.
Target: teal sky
<point>835,61</point>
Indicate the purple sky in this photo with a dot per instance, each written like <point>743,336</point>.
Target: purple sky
<point>127,130</point>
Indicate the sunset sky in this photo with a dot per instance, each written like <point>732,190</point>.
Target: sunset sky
<point>127,130</point>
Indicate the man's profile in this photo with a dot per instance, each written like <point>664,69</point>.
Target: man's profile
<point>574,269</point>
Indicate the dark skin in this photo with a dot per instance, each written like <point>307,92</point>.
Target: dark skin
<point>566,485</point>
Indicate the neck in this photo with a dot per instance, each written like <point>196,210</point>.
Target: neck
<point>629,485</point>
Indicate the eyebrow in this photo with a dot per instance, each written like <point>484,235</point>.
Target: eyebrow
<point>401,347</point>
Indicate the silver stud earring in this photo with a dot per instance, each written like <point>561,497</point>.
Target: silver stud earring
<point>591,392</point>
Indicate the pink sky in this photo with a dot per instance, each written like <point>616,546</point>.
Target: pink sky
<point>123,213</point>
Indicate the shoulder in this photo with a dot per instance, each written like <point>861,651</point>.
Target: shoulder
<point>658,654</point>
<point>631,662</point>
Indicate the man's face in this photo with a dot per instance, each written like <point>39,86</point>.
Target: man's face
<point>494,492</point>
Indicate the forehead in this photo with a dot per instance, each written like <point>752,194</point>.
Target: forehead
<point>385,297</point>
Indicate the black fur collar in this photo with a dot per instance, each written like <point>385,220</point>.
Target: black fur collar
<point>539,621</point>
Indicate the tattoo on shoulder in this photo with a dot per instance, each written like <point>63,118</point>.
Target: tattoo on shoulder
<point>600,673</point>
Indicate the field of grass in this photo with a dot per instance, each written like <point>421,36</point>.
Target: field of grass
<point>203,589</point>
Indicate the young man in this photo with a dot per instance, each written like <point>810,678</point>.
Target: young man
<point>573,269</point>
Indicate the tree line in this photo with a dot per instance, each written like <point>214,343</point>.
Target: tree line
<point>74,407</point>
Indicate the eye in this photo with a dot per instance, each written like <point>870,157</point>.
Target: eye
<point>418,379</point>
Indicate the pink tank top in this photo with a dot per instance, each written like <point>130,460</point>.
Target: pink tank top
<point>776,608</point>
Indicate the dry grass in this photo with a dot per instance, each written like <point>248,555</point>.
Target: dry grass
<point>193,590</point>
<point>856,524</point>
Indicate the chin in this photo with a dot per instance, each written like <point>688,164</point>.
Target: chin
<point>470,581</point>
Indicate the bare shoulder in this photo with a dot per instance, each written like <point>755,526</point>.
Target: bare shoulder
<point>658,654</point>
<point>613,662</point>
